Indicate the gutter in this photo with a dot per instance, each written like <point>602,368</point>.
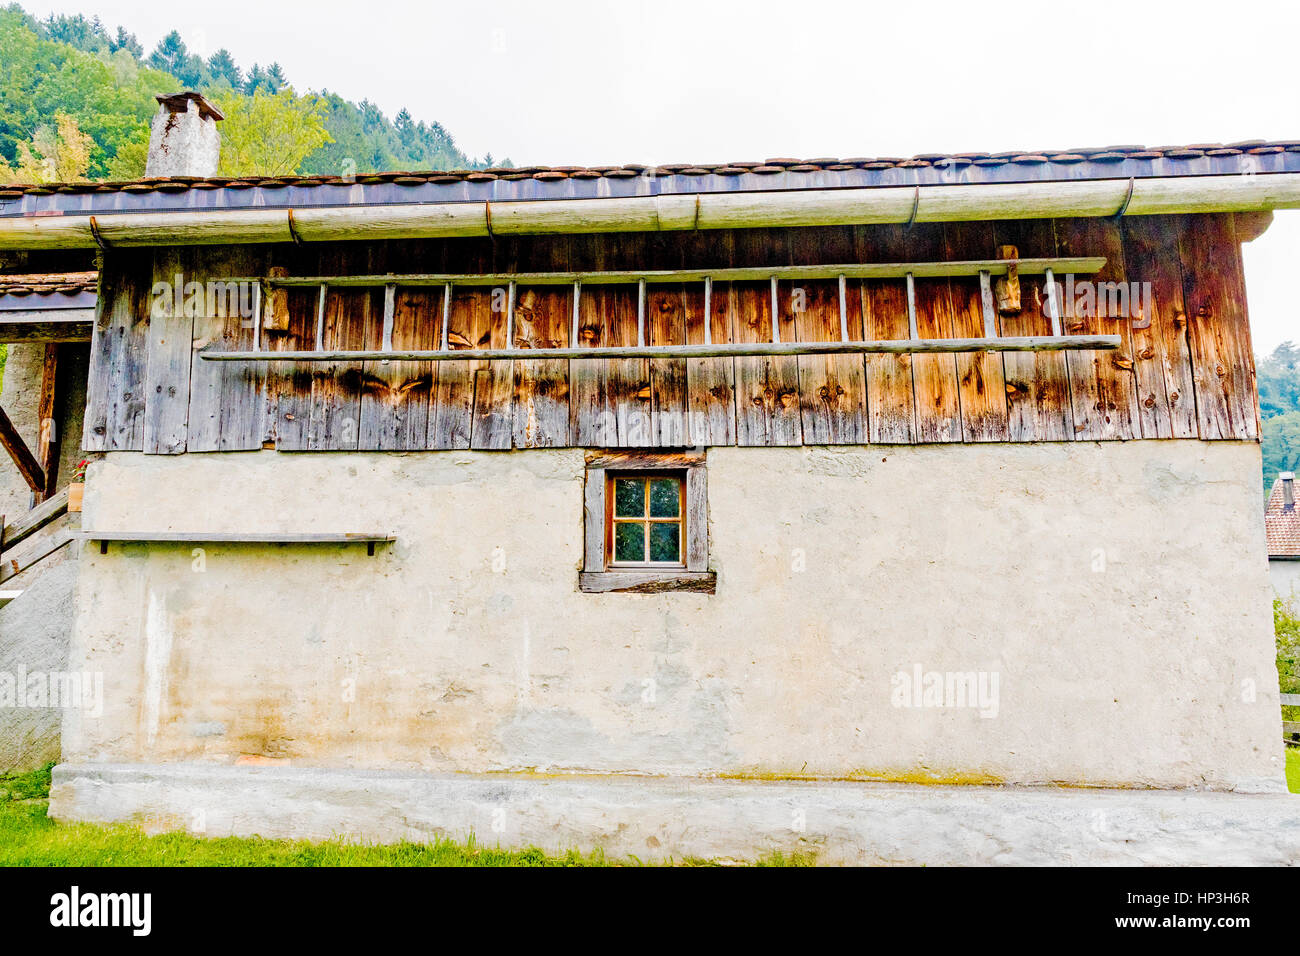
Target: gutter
<point>664,212</point>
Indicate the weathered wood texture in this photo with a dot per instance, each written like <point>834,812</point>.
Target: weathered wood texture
<point>1184,369</point>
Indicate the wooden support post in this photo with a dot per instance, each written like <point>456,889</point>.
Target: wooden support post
<point>986,300</point>
<point>640,313</point>
<point>844,309</point>
<point>257,317</point>
<point>577,312</point>
<point>320,316</point>
<point>911,308</point>
<point>708,310</point>
<point>510,314</point>
<point>27,464</point>
<point>390,307</point>
<point>1053,307</point>
<point>776,330</point>
<point>47,414</point>
<point>446,314</point>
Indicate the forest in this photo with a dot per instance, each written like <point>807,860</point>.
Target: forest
<point>76,99</point>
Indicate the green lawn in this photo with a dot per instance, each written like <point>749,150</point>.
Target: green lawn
<point>29,838</point>
<point>1293,769</point>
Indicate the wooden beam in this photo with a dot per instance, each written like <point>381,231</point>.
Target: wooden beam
<point>34,520</point>
<point>57,534</point>
<point>1079,265</point>
<point>65,325</point>
<point>1040,343</point>
<point>47,414</point>
<point>27,464</point>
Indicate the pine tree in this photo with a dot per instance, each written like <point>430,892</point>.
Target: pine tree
<point>222,69</point>
<point>126,41</point>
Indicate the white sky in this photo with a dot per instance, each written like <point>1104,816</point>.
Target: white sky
<point>562,83</point>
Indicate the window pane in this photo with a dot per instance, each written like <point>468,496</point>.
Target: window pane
<point>664,497</point>
<point>629,541</point>
<point>629,497</point>
<point>665,541</point>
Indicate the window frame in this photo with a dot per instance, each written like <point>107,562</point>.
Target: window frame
<point>599,573</point>
<point>612,519</point>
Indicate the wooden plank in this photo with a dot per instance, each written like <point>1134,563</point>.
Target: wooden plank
<point>767,387</point>
<point>981,380</point>
<point>610,398</point>
<point>36,325</point>
<point>241,537</point>
<point>32,521</point>
<point>115,405</point>
<point>697,519</point>
<point>20,454</point>
<point>1042,343</point>
<point>37,548</point>
<point>352,318</point>
<point>543,319</point>
<point>1103,386</point>
<point>288,387</point>
<point>227,410</point>
<point>168,358</point>
<point>749,273</point>
<point>395,395</point>
<point>648,582</point>
<point>710,382</point>
<point>484,315</point>
<point>1223,366</point>
<point>47,414</point>
<point>832,389</point>
<point>1037,385</point>
<point>593,520</point>
<point>934,377</point>
<point>667,309</point>
<point>891,401</point>
<point>1162,356</point>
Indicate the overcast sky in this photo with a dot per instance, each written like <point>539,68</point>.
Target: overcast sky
<point>569,83</point>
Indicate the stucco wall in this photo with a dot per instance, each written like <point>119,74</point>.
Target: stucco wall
<point>1116,592</point>
<point>1285,576</point>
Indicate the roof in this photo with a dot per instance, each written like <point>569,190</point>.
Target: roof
<point>1281,528</point>
<point>48,290</point>
<point>580,182</point>
<point>180,103</point>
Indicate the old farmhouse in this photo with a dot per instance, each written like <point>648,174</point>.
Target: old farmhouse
<point>898,509</point>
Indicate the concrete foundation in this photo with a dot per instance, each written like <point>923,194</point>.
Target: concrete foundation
<point>657,818</point>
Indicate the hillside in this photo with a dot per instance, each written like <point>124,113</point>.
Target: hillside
<point>76,98</point>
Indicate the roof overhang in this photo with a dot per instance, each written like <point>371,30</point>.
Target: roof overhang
<point>654,211</point>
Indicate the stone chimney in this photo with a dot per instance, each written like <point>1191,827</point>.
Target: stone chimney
<point>1288,490</point>
<point>183,140</point>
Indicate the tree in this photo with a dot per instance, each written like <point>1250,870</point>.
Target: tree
<point>171,56</point>
<point>126,41</point>
<point>222,69</point>
<point>1281,446</point>
<point>269,134</point>
<point>275,78</point>
<point>56,154</point>
<point>87,35</point>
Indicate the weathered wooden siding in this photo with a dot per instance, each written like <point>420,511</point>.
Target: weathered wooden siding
<point>1185,369</point>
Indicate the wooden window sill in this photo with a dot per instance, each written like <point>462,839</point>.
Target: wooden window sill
<point>647,581</point>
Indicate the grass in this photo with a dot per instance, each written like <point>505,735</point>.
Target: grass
<point>1293,769</point>
<point>30,838</point>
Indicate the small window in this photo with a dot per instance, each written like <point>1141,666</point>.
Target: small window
<point>646,520</point>
<point>645,523</point>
